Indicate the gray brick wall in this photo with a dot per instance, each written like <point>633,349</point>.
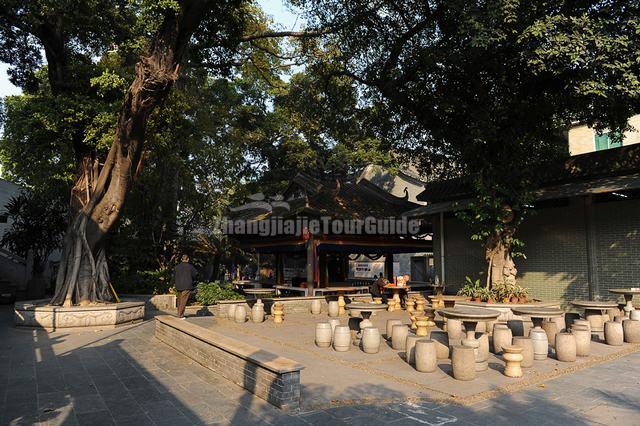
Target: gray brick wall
<point>281,390</point>
<point>556,250</point>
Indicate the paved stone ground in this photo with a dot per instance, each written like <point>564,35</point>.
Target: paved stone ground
<point>124,376</point>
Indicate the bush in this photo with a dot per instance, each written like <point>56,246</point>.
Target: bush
<point>145,282</point>
<point>211,293</point>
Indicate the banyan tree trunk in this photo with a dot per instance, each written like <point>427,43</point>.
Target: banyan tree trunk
<point>498,256</point>
<point>83,274</point>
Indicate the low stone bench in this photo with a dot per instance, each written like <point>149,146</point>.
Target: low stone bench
<point>267,375</point>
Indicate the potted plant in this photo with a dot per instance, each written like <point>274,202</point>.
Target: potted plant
<point>486,295</point>
<point>522,294</point>
<point>471,289</point>
<point>502,292</point>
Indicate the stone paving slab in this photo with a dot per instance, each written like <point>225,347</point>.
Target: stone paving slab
<point>332,377</point>
<point>79,378</point>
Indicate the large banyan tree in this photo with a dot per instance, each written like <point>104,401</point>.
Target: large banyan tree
<point>483,91</point>
<point>158,40</point>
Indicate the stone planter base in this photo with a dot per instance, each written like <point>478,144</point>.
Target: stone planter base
<point>36,313</point>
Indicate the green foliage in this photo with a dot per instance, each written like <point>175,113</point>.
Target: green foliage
<point>471,288</point>
<point>211,293</point>
<point>37,224</point>
<point>485,90</point>
<point>145,282</point>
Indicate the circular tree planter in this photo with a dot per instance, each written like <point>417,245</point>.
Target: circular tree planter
<point>37,313</point>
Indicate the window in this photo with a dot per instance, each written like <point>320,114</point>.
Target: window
<point>4,217</point>
<point>608,140</point>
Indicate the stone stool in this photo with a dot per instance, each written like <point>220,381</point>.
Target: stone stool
<point>634,315</point>
<point>583,322</point>
<point>463,362</point>
<point>540,343</point>
<point>334,308</point>
<point>569,318</point>
<point>561,324</point>
<point>454,329</point>
<point>333,323</point>
<point>501,337</point>
<point>482,361</point>
<point>512,360</point>
<point>583,339</point>
<point>409,348</point>
<point>389,328</point>
<point>441,342</point>
<point>370,340</point>
<point>341,338</point>
<point>527,350</point>
<point>426,357</point>
<point>565,347</point>
<point>551,329</point>
<point>613,333</point>
<point>323,334</point>
<point>422,326</point>
<point>399,334</point>
<point>516,327</point>
<point>631,329</point>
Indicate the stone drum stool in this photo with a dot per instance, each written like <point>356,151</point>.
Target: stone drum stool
<point>631,329</point>
<point>341,338</point>
<point>482,361</point>
<point>399,335</point>
<point>409,348</point>
<point>613,333</point>
<point>527,350</point>
<point>463,362</point>
<point>454,328</point>
<point>389,328</point>
<point>540,344</point>
<point>334,308</point>
<point>501,337</point>
<point>323,334</point>
<point>441,342</point>
<point>551,329</point>
<point>512,359</point>
<point>583,339</point>
<point>371,340</point>
<point>426,359</point>
<point>565,347</point>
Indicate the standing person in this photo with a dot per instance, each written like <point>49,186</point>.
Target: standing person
<point>185,274</point>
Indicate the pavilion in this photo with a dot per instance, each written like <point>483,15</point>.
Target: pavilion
<point>318,225</point>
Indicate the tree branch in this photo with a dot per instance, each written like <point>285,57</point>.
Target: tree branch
<point>275,34</point>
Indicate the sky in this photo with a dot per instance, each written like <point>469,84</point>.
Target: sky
<point>276,9</point>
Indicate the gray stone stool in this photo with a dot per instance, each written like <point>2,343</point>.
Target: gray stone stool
<point>565,347</point>
<point>426,359</point>
<point>463,362</point>
<point>527,350</point>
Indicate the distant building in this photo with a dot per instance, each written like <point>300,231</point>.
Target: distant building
<point>582,238</point>
<point>583,139</point>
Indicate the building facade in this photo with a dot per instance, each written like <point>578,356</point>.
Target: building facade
<point>583,139</point>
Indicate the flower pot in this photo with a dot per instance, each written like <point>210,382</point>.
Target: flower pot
<point>514,299</point>
<point>477,299</point>
<point>490,300</point>
<point>522,299</point>
<point>505,300</point>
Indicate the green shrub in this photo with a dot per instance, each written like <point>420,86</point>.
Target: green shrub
<point>145,282</point>
<point>211,293</point>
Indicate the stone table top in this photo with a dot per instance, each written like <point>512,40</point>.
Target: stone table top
<point>631,290</point>
<point>538,312</point>
<point>448,297</point>
<point>594,304</point>
<point>469,314</point>
<point>360,306</point>
<point>255,291</point>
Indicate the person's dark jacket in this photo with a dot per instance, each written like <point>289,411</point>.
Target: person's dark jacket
<point>185,274</point>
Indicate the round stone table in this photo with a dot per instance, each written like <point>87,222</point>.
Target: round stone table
<point>445,300</point>
<point>395,303</point>
<point>470,317</point>
<point>365,310</point>
<point>593,311</point>
<point>537,334</point>
<point>628,294</point>
<point>257,293</point>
